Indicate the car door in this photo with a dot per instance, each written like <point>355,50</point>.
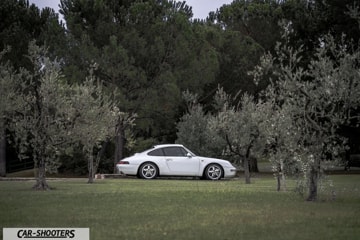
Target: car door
<point>179,163</point>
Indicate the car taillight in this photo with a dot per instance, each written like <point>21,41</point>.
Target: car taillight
<point>123,162</point>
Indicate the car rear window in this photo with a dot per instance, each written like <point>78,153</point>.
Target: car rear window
<point>156,152</point>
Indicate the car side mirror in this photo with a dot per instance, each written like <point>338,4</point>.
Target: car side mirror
<point>189,155</point>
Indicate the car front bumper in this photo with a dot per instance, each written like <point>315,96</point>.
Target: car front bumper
<point>230,172</point>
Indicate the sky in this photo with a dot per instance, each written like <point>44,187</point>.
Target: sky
<point>200,8</point>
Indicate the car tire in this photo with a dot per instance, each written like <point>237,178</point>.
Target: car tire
<point>213,172</point>
<point>148,171</point>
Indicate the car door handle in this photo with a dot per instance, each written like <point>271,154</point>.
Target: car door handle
<point>169,159</point>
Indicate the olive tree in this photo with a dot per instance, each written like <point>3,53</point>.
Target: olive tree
<point>281,139</point>
<point>239,125</point>
<point>39,122</point>
<point>93,117</point>
<point>319,96</point>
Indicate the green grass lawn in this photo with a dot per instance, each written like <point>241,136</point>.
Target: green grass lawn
<point>183,209</point>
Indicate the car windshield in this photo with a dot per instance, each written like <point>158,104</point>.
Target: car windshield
<point>192,153</point>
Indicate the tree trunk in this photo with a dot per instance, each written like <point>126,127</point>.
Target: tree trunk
<point>91,167</point>
<point>2,150</point>
<point>314,180</point>
<point>99,155</point>
<point>281,179</point>
<point>119,145</point>
<point>278,182</point>
<point>247,165</point>
<point>254,165</point>
<point>247,170</point>
<point>41,183</point>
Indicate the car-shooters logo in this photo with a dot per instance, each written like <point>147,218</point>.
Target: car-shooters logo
<point>46,233</point>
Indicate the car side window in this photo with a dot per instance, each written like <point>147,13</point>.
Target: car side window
<point>175,152</point>
<point>156,152</point>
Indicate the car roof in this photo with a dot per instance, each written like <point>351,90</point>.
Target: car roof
<point>168,145</point>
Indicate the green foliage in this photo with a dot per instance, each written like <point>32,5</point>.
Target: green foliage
<point>40,109</point>
<point>195,132</point>
<point>332,16</point>
<point>310,97</point>
<point>257,20</point>
<point>148,51</point>
<point>281,143</point>
<point>22,23</point>
<point>93,118</point>
<point>8,83</point>
<point>231,131</point>
<point>51,115</point>
<point>239,125</point>
<point>239,54</point>
<point>39,123</point>
<point>318,99</point>
<point>92,114</point>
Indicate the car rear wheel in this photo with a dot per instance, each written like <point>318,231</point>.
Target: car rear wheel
<point>148,171</point>
<point>213,172</point>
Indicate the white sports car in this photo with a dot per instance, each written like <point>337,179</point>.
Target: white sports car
<point>174,160</point>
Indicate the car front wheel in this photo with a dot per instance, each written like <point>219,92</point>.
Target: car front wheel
<point>148,171</point>
<point>213,172</point>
